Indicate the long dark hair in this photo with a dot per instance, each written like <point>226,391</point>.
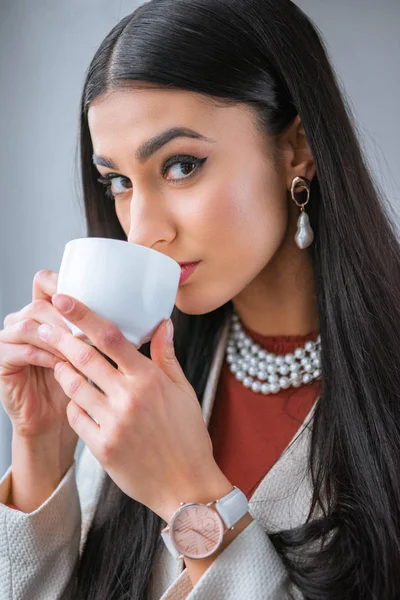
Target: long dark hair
<point>268,55</point>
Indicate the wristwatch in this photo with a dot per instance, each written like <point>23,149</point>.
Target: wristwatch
<point>197,530</point>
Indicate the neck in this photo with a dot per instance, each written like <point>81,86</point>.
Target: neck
<point>282,299</point>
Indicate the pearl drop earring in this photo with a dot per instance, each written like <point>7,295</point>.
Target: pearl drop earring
<point>304,235</point>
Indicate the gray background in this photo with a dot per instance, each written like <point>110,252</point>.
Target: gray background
<point>45,49</point>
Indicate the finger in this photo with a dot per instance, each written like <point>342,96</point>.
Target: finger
<point>41,311</point>
<point>83,357</point>
<point>44,285</point>
<point>26,332</point>
<point>22,355</point>
<point>163,354</point>
<point>81,392</point>
<point>84,426</point>
<point>104,334</point>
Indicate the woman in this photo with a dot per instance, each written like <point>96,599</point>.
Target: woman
<point>286,332</point>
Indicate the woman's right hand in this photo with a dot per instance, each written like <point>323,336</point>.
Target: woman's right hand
<point>31,396</point>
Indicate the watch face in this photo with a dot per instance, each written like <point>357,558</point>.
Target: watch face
<point>196,530</point>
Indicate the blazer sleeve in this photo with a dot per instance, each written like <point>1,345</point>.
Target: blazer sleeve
<point>248,568</point>
<point>39,550</point>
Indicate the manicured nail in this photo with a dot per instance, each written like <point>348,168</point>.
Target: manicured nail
<point>170,331</point>
<point>45,331</point>
<point>62,303</point>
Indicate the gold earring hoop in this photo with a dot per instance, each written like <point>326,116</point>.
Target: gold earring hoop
<point>304,234</point>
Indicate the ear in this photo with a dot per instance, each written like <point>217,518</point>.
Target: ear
<point>299,161</point>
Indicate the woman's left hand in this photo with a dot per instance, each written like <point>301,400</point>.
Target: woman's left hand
<point>148,431</point>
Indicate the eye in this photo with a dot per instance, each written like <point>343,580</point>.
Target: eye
<point>113,184</point>
<point>182,167</point>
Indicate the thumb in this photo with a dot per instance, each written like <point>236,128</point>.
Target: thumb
<point>162,352</point>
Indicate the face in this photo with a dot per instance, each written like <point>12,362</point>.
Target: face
<point>219,199</point>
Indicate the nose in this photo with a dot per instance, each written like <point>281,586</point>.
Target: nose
<point>150,223</point>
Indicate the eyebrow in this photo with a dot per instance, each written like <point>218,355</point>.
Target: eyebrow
<point>147,149</point>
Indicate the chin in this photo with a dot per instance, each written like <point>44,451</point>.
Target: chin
<point>193,302</point>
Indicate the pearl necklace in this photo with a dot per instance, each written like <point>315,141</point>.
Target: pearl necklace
<point>247,360</point>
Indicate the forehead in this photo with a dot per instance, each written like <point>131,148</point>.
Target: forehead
<point>144,112</point>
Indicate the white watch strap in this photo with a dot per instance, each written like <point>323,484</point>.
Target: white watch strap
<point>232,507</point>
<point>168,542</point>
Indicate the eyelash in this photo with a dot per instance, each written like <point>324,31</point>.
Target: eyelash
<point>106,181</point>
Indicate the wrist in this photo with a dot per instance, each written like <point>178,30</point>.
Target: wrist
<point>36,470</point>
<point>53,452</point>
<point>200,492</point>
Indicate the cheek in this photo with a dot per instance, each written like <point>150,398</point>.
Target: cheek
<point>246,221</point>
<point>240,227</point>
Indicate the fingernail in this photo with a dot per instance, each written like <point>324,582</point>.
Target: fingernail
<point>170,332</point>
<point>58,366</point>
<point>62,303</point>
<point>45,331</point>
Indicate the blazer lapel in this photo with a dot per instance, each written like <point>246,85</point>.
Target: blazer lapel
<point>215,371</point>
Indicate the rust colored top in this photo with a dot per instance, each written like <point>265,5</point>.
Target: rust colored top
<point>249,431</point>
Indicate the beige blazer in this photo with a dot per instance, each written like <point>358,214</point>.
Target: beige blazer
<point>38,551</point>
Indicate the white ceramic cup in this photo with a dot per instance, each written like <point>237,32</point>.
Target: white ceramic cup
<point>133,286</point>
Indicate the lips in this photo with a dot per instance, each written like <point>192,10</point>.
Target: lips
<point>186,270</point>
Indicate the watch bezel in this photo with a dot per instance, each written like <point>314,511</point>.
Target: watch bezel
<point>222,530</point>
